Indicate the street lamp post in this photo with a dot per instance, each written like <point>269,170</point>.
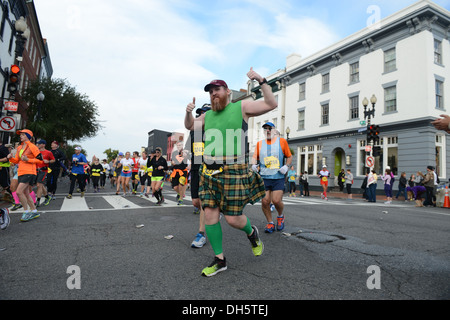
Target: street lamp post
<point>40,97</point>
<point>368,114</point>
<point>23,33</point>
<point>288,131</point>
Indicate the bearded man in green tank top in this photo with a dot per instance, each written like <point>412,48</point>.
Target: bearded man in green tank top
<point>226,183</point>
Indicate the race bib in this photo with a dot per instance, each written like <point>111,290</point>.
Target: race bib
<point>126,168</point>
<point>198,148</point>
<point>272,162</point>
<point>292,178</point>
<point>324,179</point>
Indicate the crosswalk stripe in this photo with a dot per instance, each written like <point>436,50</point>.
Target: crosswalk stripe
<point>166,201</point>
<point>74,204</point>
<point>119,202</point>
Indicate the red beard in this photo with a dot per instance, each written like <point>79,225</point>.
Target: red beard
<point>219,103</point>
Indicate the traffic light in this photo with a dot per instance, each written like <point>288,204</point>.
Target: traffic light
<point>376,132</point>
<point>373,132</point>
<point>13,79</point>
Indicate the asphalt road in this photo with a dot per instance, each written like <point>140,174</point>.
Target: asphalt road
<point>334,249</point>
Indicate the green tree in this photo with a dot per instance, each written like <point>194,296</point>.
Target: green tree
<point>111,154</point>
<point>65,113</point>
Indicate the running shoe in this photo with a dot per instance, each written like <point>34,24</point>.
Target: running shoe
<point>4,218</point>
<point>257,244</point>
<point>69,196</point>
<point>270,227</point>
<point>47,201</point>
<point>82,194</point>
<point>196,210</point>
<point>180,202</point>
<point>162,199</point>
<point>215,267</point>
<point>25,215</point>
<point>280,223</point>
<point>16,206</point>
<point>199,241</point>
<point>33,215</point>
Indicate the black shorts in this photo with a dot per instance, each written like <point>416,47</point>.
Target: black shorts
<point>41,177</point>
<point>195,181</point>
<point>176,179</point>
<point>27,178</point>
<point>4,177</point>
<point>143,178</point>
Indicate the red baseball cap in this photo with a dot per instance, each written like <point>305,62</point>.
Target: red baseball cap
<point>216,83</point>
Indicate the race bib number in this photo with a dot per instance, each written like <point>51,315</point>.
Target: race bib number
<point>199,148</point>
<point>292,178</point>
<point>272,162</point>
<point>126,168</point>
<point>324,179</point>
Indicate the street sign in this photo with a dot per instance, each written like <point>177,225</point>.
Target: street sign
<point>370,162</point>
<point>7,124</point>
<point>368,148</point>
<point>362,122</point>
<point>11,106</point>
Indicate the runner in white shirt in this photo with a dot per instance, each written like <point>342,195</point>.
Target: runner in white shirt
<point>324,175</point>
<point>143,174</point>
<point>127,164</point>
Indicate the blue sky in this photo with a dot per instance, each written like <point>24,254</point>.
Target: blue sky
<point>143,61</point>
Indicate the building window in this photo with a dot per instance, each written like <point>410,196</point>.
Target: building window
<point>354,107</point>
<point>390,99</point>
<point>310,159</point>
<point>325,114</point>
<point>385,153</point>
<point>439,94</point>
<point>325,83</point>
<point>390,62</point>
<point>302,91</point>
<point>301,120</point>
<point>437,52</point>
<point>391,146</point>
<point>354,72</point>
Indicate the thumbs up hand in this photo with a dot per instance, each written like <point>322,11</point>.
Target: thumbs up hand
<point>191,106</point>
<point>252,75</point>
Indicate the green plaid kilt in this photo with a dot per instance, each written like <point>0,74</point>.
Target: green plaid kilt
<point>232,189</point>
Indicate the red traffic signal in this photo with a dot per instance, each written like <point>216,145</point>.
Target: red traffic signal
<point>13,79</point>
<point>373,132</point>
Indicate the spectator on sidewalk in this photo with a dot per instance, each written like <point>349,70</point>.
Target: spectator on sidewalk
<point>402,186</point>
<point>349,183</point>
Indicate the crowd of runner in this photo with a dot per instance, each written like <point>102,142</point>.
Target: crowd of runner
<point>222,181</point>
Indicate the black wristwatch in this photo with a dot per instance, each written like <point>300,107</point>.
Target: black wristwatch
<point>264,81</point>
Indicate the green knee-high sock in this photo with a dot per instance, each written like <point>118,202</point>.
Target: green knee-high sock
<point>248,228</point>
<point>214,233</point>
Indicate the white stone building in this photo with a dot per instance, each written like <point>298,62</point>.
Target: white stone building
<point>405,63</point>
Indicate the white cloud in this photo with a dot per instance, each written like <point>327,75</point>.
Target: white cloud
<point>143,61</point>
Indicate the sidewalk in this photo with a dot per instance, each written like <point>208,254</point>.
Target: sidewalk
<point>343,195</point>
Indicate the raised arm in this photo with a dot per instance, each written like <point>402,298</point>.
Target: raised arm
<point>257,108</point>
